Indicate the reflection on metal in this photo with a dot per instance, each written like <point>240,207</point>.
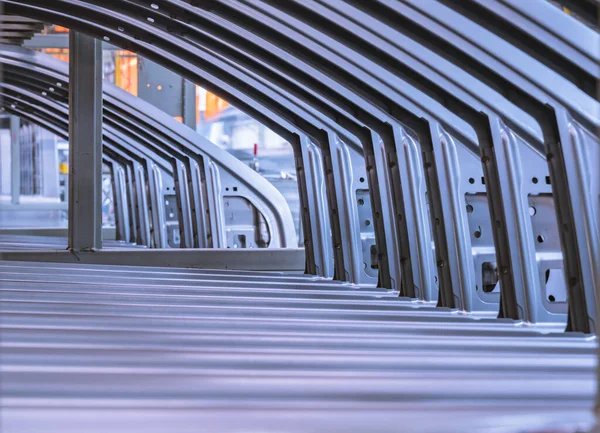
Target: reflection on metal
<point>85,143</point>
<point>520,296</point>
<point>557,105</point>
<point>189,340</point>
<point>566,119</point>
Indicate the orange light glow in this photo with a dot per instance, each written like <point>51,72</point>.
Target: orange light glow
<point>59,53</point>
<point>126,71</point>
<point>214,105</point>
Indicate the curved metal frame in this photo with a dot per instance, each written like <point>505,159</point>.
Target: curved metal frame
<point>520,301</point>
<point>568,118</point>
<point>154,136</point>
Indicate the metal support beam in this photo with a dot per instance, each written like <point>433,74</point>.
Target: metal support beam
<point>267,259</point>
<point>15,160</point>
<point>189,104</point>
<point>85,132</point>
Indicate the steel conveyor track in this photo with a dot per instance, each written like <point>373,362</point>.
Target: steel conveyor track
<point>85,343</point>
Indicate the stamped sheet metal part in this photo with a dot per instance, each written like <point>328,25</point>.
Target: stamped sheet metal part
<point>409,157</point>
<point>474,232</point>
<point>267,58</point>
<point>528,210</point>
<point>344,164</point>
<point>318,38</point>
<point>312,207</point>
<point>356,128</point>
<point>353,263</point>
<point>528,294</point>
<point>521,294</point>
<point>243,105</point>
<point>568,117</point>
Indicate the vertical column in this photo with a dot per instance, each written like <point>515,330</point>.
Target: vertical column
<point>85,141</point>
<point>15,160</point>
<point>189,104</point>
